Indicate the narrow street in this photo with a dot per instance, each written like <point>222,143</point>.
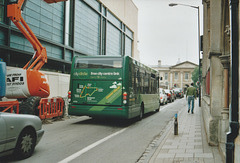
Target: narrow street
<point>83,139</point>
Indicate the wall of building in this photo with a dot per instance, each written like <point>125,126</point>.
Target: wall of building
<point>126,11</point>
<point>237,140</point>
<point>216,73</point>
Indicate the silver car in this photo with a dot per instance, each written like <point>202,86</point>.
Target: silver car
<point>19,134</point>
<point>162,96</point>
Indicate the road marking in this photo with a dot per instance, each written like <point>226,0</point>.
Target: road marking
<point>84,150</point>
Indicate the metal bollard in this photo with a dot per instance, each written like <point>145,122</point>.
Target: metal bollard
<point>175,125</point>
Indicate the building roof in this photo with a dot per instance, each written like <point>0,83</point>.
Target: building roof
<point>186,64</point>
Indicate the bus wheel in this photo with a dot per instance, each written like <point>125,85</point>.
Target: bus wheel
<point>140,117</point>
<point>157,110</point>
<point>30,106</point>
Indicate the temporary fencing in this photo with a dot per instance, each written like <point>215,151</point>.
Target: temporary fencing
<point>9,106</point>
<point>51,107</point>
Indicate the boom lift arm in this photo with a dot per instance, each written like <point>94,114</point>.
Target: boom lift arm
<point>29,80</point>
<point>29,84</point>
<point>14,13</point>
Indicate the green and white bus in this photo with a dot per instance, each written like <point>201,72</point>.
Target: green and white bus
<point>119,87</point>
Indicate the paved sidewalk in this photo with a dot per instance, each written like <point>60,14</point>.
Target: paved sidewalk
<point>190,145</point>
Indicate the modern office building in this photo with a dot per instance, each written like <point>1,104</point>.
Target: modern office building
<point>71,28</point>
<point>66,29</point>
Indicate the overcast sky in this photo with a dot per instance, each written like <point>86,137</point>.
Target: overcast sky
<point>168,33</point>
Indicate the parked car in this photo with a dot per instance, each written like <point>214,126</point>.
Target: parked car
<point>174,94</point>
<point>169,95</point>
<point>162,96</point>
<point>19,134</point>
<point>179,92</point>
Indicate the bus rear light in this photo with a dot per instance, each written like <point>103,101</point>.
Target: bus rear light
<point>119,109</point>
<point>73,106</point>
<point>69,94</point>
<point>125,97</point>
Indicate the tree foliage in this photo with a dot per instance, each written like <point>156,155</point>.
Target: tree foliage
<point>195,75</point>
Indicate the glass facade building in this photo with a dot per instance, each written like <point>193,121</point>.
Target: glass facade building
<point>66,29</point>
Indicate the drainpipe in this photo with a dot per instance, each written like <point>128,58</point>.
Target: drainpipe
<point>234,124</point>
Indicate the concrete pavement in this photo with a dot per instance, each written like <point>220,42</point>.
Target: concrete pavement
<point>190,145</point>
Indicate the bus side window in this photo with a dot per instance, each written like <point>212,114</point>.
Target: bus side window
<point>145,83</point>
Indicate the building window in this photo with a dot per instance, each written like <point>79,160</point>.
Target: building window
<point>176,76</point>
<point>1,10</point>
<point>87,29</point>
<point>113,44</point>
<point>186,76</point>
<point>166,76</point>
<point>128,46</point>
<point>114,20</point>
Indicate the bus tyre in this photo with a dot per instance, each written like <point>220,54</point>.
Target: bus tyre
<point>25,144</point>
<point>30,106</point>
<point>157,110</point>
<point>140,117</point>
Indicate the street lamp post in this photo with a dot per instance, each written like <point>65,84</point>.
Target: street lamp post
<point>199,78</point>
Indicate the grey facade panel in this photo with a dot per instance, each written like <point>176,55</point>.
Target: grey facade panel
<point>128,46</point>
<point>68,55</point>
<point>87,29</point>
<point>2,37</point>
<point>113,46</point>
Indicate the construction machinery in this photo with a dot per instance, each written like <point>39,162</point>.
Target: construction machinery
<point>28,84</point>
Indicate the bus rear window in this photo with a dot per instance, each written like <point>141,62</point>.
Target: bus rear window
<point>82,63</point>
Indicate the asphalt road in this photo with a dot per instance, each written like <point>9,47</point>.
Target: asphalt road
<point>87,140</point>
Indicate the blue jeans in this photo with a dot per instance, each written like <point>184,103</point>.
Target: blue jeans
<point>191,98</point>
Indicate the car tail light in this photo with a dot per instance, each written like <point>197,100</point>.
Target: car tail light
<point>125,97</point>
<point>69,94</point>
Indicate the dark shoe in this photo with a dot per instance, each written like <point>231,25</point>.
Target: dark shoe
<point>192,112</point>
<point>188,110</point>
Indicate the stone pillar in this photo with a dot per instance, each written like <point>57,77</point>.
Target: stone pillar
<point>171,80</point>
<point>224,123</point>
<point>226,65</point>
<point>181,82</point>
<point>216,69</point>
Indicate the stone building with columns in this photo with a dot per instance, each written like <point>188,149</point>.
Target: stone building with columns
<point>178,75</point>
<point>216,74</point>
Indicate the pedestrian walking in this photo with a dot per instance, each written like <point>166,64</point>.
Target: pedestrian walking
<point>191,96</point>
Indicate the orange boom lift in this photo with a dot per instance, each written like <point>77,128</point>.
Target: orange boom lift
<point>29,84</point>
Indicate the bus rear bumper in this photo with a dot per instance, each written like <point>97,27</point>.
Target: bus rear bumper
<point>99,111</point>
